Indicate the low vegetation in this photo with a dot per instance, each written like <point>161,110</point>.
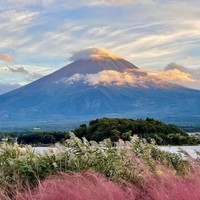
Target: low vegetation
<point>41,138</point>
<point>148,130</point>
<point>111,158</point>
<point>131,162</point>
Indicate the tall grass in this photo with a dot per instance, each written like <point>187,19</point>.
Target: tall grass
<point>93,186</point>
<point>22,169</point>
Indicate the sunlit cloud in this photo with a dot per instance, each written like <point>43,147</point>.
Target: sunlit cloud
<point>134,78</point>
<point>173,73</point>
<point>192,75</point>
<point>176,75</point>
<point>180,74</point>
<point>110,77</point>
<point>149,34</point>
<point>94,53</point>
<point>6,57</point>
<point>105,77</point>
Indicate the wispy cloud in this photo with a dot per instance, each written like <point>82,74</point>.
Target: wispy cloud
<point>29,76</point>
<point>148,33</point>
<point>21,74</point>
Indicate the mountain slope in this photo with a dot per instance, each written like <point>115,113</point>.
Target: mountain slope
<point>99,86</point>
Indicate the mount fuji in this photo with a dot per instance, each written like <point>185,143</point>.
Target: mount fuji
<point>99,83</point>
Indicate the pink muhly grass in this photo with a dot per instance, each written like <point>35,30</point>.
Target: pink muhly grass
<point>170,187</point>
<point>79,186</point>
<point>93,186</point>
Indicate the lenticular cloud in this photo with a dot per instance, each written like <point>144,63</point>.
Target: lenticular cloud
<point>94,53</point>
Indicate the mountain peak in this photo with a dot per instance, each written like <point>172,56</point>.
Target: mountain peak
<point>94,54</point>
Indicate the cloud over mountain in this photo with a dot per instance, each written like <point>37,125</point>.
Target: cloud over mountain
<point>105,77</point>
<point>94,53</point>
<point>30,76</point>
<point>194,73</point>
<point>102,85</point>
<point>173,73</point>
<point>178,73</point>
<point>133,78</point>
<point>174,65</point>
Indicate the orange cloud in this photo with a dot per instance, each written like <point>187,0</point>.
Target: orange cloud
<point>94,53</point>
<point>175,75</point>
<point>110,77</point>
<point>6,57</point>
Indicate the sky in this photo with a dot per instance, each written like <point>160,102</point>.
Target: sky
<point>38,37</point>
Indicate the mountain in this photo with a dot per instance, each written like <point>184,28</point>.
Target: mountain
<point>99,83</point>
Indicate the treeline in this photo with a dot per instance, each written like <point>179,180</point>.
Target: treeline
<point>149,130</point>
<point>42,138</point>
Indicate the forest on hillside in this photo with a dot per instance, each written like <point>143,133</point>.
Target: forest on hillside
<point>148,130</point>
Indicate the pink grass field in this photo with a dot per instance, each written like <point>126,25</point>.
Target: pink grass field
<point>93,186</point>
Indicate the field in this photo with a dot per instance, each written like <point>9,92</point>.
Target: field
<point>82,170</point>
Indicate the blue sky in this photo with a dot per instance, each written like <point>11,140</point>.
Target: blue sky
<point>39,36</point>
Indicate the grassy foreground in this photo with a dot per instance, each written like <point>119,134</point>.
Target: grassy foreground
<point>127,167</point>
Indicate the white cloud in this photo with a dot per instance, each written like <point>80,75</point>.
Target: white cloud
<point>173,73</point>
<point>110,77</point>
<point>148,33</point>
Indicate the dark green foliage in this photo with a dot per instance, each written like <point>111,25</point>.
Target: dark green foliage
<point>115,129</point>
<point>43,137</point>
<point>149,129</point>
